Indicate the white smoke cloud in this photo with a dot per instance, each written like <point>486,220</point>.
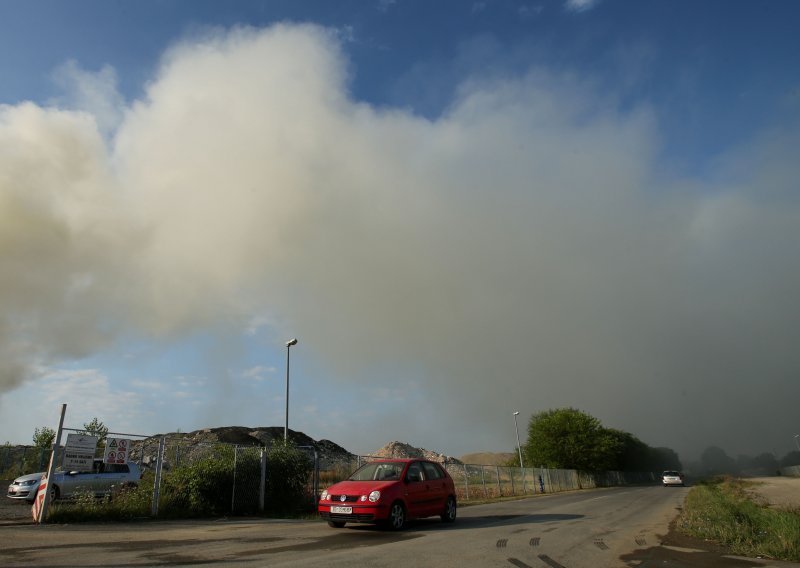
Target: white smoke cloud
<point>517,251</point>
<point>95,93</point>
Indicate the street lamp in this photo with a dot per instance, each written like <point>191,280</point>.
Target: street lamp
<point>519,448</point>
<point>286,425</point>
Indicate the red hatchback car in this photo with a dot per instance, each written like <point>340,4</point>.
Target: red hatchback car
<point>390,492</point>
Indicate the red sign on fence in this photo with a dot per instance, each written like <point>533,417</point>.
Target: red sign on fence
<point>116,450</point>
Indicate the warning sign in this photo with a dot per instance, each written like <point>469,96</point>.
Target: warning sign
<point>117,450</point>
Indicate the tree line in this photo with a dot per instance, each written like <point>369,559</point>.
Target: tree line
<point>45,436</point>
<point>715,461</point>
<point>567,438</point>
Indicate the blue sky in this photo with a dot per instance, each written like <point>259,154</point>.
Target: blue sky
<point>460,209</point>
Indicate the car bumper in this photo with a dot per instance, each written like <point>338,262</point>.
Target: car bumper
<point>672,482</point>
<point>360,513</point>
<point>25,493</point>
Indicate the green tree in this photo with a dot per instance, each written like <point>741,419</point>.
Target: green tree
<point>715,461</point>
<point>289,470</point>
<point>631,453</point>
<point>635,455</point>
<point>665,459</point>
<point>790,459</point>
<point>766,462</point>
<point>43,437</point>
<point>566,438</point>
<point>96,428</point>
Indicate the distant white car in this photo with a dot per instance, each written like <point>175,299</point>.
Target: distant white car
<point>672,478</point>
<point>102,480</point>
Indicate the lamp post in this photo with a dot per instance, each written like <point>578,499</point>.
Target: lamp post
<point>286,425</point>
<point>519,448</point>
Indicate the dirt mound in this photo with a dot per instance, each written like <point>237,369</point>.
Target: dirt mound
<point>490,458</point>
<point>404,450</point>
<point>193,444</point>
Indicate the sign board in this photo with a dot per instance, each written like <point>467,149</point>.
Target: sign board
<point>79,452</point>
<point>117,450</point>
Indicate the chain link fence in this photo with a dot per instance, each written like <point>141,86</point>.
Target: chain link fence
<point>20,460</point>
<point>221,478</point>
<point>186,478</point>
<point>182,478</point>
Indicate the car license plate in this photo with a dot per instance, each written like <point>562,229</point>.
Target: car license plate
<point>342,510</point>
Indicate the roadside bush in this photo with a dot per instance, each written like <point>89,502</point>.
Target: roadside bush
<point>288,469</point>
<point>205,486</point>
<point>202,487</point>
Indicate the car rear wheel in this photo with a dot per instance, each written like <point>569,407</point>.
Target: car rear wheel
<point>397,517</point>
<point>336,524</point>
<point>449,514</point>
<point>55,493</point>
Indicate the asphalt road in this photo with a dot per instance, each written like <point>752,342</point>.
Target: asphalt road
<point>608,527</point>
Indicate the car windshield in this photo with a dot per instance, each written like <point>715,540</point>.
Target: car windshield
<point>378,471</point>
<point>671,474</point>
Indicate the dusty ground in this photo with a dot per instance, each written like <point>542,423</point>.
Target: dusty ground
<point>783,492</point>
<point>12,510</point>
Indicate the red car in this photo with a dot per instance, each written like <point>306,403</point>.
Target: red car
<point>390,492</point>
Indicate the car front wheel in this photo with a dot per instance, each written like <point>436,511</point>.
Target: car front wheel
<point>397,516</point>
<point>449,514</point>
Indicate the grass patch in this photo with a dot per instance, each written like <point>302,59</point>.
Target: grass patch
<point>724,511</point>
<point>131,503</point>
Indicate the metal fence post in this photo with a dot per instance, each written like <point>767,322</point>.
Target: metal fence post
<point>233,489</point>
<point>316,476</point>
<point>157,481</point>
<point>499,485</point>
<point>466,483</point>
<point>483,481</point>
<point>262,488</point>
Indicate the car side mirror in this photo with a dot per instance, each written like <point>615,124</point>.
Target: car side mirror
<point>73,472</point>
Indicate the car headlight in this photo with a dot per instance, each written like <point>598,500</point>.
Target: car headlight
<point>324,496</point>
<point>374,496</point>
<point>30,482</point>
